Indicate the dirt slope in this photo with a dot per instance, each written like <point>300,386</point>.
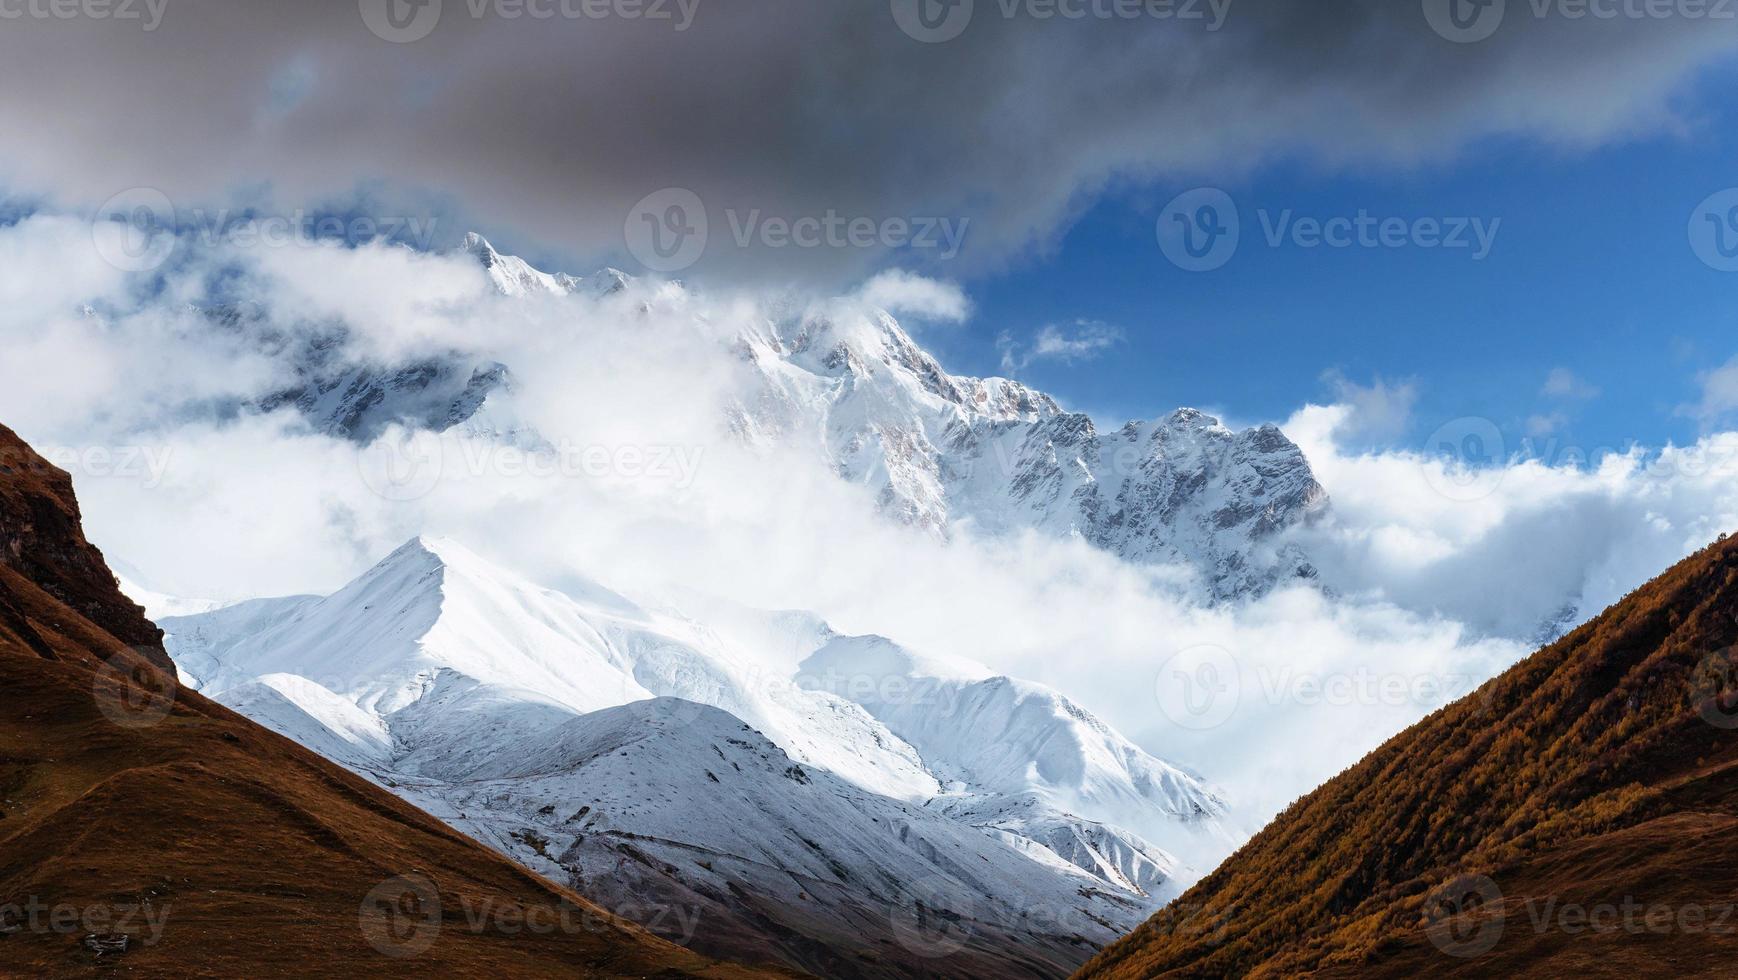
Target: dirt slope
<point>1576,816</point>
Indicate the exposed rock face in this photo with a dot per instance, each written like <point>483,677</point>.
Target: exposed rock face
<point>361,402</point>
<point>42,539</point>
<point>944,450</point>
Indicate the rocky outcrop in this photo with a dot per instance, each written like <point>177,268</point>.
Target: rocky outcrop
<point>42,539</point>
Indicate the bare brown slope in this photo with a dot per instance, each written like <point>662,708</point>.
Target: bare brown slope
<point>238,852</point>
<point>1577,815</point>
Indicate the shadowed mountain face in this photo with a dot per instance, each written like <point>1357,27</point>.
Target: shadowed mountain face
<point>1575,816</point>
<point>42,541</point>
<point>147,830</point>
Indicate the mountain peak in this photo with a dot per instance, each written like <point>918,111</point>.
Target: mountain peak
<point>477,245</point>
<point>513,276</point>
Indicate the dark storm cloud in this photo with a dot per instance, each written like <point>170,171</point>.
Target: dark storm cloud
<point>553,128</point>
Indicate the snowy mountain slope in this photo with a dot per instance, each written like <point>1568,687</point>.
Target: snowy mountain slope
<point>303,711</point>
<point>658,805</point>
<point>1100,849</point>
<point>436,632</point>
<point>488,700</point>
<point>945,450</point>
<point>1009,738</point>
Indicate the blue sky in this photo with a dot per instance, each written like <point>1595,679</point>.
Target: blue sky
<point>1592,271</point>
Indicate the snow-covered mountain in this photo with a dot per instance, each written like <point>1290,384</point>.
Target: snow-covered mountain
<point>940,451</point>
<point>998,738</point>
<point>669,805</point>
<point>652,759</point>
<point>434,633</point>
<point>513,276</point>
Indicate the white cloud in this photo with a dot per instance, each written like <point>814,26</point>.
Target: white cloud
<point>1082,340</point>
<point>1545,423</point>
<point>909,294</point>
<point>1435,589</point>
<point>1563,383</point>
<point>1503,546</point>
<point>1719,394</point>
<point>1377,411</point>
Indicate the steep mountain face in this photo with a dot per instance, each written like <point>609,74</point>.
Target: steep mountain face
<point>1573,816</point>
<point>42,541</point>
<point>643,757</point>
<point>945,450</point>
<point>146,830</point>
<point>996,739</point>
<point>361,401</point>
<point>669,805</point>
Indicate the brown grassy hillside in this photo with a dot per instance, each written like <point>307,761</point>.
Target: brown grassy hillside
<point>134,814</point>
<point>1576,816</point>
